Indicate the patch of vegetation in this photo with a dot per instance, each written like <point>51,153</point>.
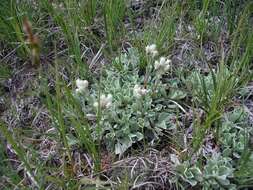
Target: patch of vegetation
<point>115,94</point>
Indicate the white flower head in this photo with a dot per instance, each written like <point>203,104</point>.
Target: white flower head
<point>81,85</point>
<point>105,101</point>
<point>163,65</point>
<point>139,91</point>
<point>58,6</point>
<point>151,50</point>
<point>95,104</point>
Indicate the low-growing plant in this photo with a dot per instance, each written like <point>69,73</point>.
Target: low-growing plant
<point>175,109</point>
<point>234,133</point>
<point>235,142</point>
<point>220,171</point>
<point>134,113</point>
<point>216,174</point>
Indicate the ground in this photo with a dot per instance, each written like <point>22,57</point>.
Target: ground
<point>116,94</point>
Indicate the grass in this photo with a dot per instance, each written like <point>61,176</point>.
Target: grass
<point>114,12</point>
<point>21,154</point>
<point>7,171</point>
<point>11,25</point>
<point>139,123</point>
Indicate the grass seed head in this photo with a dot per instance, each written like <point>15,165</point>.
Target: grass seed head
<point>32,40</point>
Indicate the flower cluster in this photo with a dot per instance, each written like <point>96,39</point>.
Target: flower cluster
<point>81,85</point>
<point>105,101</point>
<point>151,50</point>
<point>59,6</point>
<point>163,65</point>
<point>139,91</point>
